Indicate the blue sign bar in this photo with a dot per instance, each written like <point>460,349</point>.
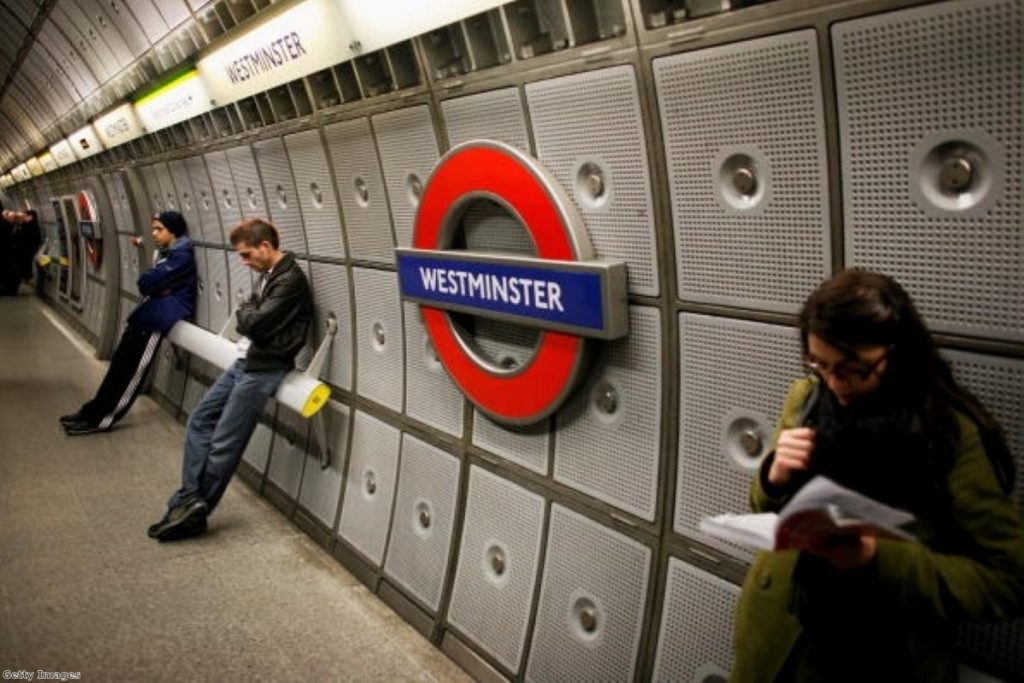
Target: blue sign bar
<point>566,296</point>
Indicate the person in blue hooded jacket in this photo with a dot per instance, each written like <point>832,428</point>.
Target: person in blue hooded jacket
<point>168,292</point>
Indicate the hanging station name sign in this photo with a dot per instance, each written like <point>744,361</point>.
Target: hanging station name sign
<point>563,291</point>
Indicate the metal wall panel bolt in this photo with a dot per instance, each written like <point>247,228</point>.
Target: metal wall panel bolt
<point>380,338</point>
<point>492,115</point>
<point>421,535</point>
<point>321,488</point>
<point>617,411</point>
<point>370,486</point>
<point>430,394</point>
<point>257,451</point>
<point>408,155</point>
<point>282,197</point>
<point>497,567</point>
<point>330,299</point>
<point>217,286</point>
<point>315,196</point>
<point>733,379</point>
<point>360,185</point>
<point>589,133</point>
<point>591,608</point>
<point>225,199</point>
<point>749,191</point>
<point>931,109</point>
<point>695,639</point>
<point>287,458</point>
<point>206,201</point>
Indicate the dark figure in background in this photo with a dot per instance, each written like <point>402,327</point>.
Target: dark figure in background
<point>881,413</point>
<point>27,239</point>
<point>9,275</point>
<point>168,295</point>
<point>274,324</point>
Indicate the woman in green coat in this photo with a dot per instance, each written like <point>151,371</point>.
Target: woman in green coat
<point>881,414</point>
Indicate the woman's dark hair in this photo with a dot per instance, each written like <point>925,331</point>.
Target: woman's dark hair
<point>858,308</point>
<point>253,232</point>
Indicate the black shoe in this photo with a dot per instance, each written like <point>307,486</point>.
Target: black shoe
<point>190,514</point>
<point>73,417</point>
<point>82,428</point>
<point>154,528</point>
<point>189,529</point>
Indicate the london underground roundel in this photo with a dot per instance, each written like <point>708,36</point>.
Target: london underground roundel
<point>562,290</point>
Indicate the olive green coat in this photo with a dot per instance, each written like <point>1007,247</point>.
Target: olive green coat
<point>905,605</point>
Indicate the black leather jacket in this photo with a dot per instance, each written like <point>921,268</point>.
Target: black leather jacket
<point>277,319</point>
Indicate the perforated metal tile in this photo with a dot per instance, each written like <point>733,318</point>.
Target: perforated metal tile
<point>745,149</point>
<point>925,93</point>
<point>491,115</point>
<point>315,194</point>
<point>202,289</point>
<point>283,200</point>
<point>224,199</point>
<point>370,486</point>
<point>154,200</point>
<point>240,277</point>
<point>487,226</point>
<point>360,185</point>
<point>734,375</point>
<point>126,308</point>
<point>421,535</point>
<point>590,124</point>
<point>186,197</point>
<point>330,297</point>
<point>118,196</point>
<point>617,411</point>
<point>380,342</point>
<point>287,458</point>
<point>206,200</point>
<point>430,394</point>
<point>257,451</point>
<point>497,568</point>
<point>321,488</point>
<point>128,253</point>
<point>305,354</point>
<point>408,155</point>
<point>168,194</point>
<point>248,187</point>
<point>217,287</point>
<point>695,639</point>
<point>194,390</point>
<point>591,609</point>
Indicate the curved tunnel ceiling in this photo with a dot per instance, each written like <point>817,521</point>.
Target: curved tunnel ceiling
<point>64,61</point>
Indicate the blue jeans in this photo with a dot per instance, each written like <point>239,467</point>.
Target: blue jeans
<point>219,429</point>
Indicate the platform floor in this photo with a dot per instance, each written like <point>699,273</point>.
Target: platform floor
<point>83,589</point>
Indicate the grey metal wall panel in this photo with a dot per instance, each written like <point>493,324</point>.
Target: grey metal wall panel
<point>591,608</point>
<point>154,200</point>
<point>590,123</point>
<point>90,30</point>
<point>488,226</point>
<point>430,394</point>
<point>224,193</point>
<point>127,27</point>
<point>926,95</point>
<point>257,451</point>
<point>247,183</point>
<point>194,390</point>
<point>421,535</point>
<point>206,200</point>
<point>97,63</point>
<point>107,31</point>
<point>83,79</point>
<point>370,486</point>
<point>331,298</point>
<point>380,343</point>
<point>287,458</point>
<point>149,19</point>
<point>217,286</point>
<point>174,12</point>
<point>408,155</point>
<point>360,185</point>
<point>321,488</point>
<point>169,373</point>
<point>491,115</point>
<point>168,193</point>
<point>315,194</point>
<point>283,200</point>
<point>618,411</point>
<point>733,379</point>
<point>241,279</point>
<point>305,354</point>
<point>695,639</point>
<point>187,204</point>
<point>129,254</point>
<point>202,290</point>
<point>497,568</point>
<point>764,244</point>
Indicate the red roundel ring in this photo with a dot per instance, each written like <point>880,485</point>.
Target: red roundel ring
<point>497,171</point>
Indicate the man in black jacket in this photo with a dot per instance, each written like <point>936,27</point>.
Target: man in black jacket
<point>274,323</point>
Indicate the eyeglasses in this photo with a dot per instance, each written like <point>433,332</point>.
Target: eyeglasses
<point>844,371</point>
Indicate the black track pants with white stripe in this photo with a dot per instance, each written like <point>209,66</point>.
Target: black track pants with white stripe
<point>125,377</point>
